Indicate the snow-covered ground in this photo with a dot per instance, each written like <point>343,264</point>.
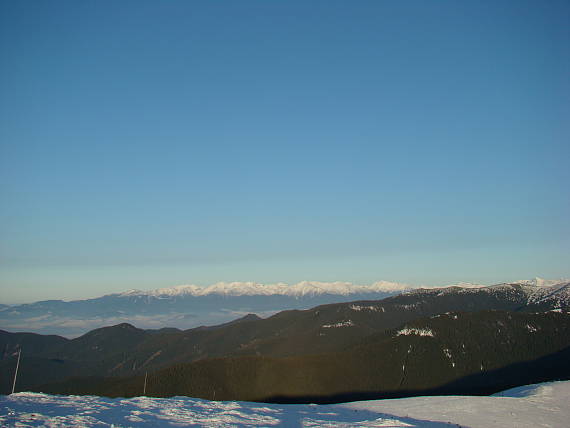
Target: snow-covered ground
<point>542,405</point>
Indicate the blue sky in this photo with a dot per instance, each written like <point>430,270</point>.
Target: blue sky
<point>148,144</point>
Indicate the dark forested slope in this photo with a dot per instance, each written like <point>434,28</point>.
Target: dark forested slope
<point>458,353</point>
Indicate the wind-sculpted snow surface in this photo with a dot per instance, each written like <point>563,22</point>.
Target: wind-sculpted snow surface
<point>542,405</point>
<point>32,409</point>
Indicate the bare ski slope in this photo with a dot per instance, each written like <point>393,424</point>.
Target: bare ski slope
<point>541,405</point>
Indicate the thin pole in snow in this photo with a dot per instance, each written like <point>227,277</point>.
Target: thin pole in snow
<point>16,374</point>
<point>144,388</point>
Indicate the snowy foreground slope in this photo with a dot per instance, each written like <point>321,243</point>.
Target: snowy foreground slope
<point>541,405</point>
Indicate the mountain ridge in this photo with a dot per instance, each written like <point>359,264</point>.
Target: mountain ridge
<point>185,307</point>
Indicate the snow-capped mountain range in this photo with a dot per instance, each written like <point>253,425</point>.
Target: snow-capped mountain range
<point>310,288</point>
<point>300,289</point>
<point>187,306</point>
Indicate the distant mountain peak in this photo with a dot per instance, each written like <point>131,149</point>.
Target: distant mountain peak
<point>131,292</point>
<point>541,282</point>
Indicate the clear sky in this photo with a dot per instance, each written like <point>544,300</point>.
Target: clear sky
<point>146,144</point>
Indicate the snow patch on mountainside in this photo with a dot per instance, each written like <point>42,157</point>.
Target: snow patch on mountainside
<point>347,323</point>
<point>371,308</point>
<point>415,332</point>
